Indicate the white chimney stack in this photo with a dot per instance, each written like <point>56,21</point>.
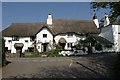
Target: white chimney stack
<point>49,19</point>
<point>95,20</point>
<point>106,21</point>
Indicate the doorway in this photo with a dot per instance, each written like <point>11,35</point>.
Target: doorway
<point>45,47</point>
<point>62,45</point>
<point>18,47</point>
<point>19,51</point>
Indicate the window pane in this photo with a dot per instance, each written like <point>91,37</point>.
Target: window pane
<point>44,35</point>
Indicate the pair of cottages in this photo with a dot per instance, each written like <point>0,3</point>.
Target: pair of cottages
<point>42,36</point>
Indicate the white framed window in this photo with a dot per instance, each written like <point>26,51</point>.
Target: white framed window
<point>32,38</point>
<point>26,40</point>
<point>15,38</point>
<point>38,47</point>
<point>44,35</point>
<point>70,35</point>
<point>9,40</point>
<point>69,45</point>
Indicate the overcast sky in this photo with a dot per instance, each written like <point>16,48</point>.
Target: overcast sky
<point>37,11</point>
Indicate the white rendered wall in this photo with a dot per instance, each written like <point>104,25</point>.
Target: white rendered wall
<point>107,33</point>
<point>118,37</point>
<point>8,44</point>
<point>11,47</point>
<point>111,33</point>
<point>40,39</point>
<point>119,42</point>
<point>69,39</point>
<point>115,35</point>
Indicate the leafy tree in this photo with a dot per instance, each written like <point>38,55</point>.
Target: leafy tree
<point>113,6</point>
<point>2,45</point>
<point>3,53</point>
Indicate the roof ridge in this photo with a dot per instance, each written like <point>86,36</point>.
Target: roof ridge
<point>26,22</point>
<point>72,20</point>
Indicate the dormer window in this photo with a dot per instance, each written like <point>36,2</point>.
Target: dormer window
<point>32,38</point>
<point>15,38</point>
<point>70,35</point>
<point>44,35</point>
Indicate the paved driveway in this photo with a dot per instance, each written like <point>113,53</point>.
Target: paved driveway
<point>90,66</point>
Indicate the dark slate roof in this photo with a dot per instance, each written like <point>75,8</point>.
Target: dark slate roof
<point>59,26</point>
<point>102,40</point>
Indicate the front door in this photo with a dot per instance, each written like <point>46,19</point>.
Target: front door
<point>19,51</point>
<point>62,45</point>
<point>45,47</point>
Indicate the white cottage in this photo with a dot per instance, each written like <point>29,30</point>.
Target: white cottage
<point>111,32</point>
<point>42,35</point>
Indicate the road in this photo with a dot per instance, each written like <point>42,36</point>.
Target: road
<point>90,66</point>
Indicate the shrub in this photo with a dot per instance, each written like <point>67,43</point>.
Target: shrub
<point>4,61</point>
<point>32,54</point>
<point>53,53</point>
<point>98,47</point>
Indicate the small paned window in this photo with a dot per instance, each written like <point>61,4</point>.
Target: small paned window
<point>26,40</point>
<point>69,45</point>
<point>32,38</point>
<point>38,47</point>
<point>15,38</point>
<point>9,40</point>
<point>44,35</point>
<point>70,35</point>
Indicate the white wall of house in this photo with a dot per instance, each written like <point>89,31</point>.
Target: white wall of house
<point>119,42</point>
<point>69,39</point>
<point>111,33</point>
<point>107,32</point>
<point>9,43</point>
<point>118,37</point>
<point>40,39</point>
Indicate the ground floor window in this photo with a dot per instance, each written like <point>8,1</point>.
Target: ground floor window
<point>38,47</point>
<point>69,45</point>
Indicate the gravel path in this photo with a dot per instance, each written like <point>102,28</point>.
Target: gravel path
<point>90,66</point>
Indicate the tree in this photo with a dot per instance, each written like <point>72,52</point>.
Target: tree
<point>2,44</point>
<point>113,6</point>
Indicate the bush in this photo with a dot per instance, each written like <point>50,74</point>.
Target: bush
<point>53,53</point>
<point>32,54</point>
<point>2,43</point>
<point>98,47</point>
